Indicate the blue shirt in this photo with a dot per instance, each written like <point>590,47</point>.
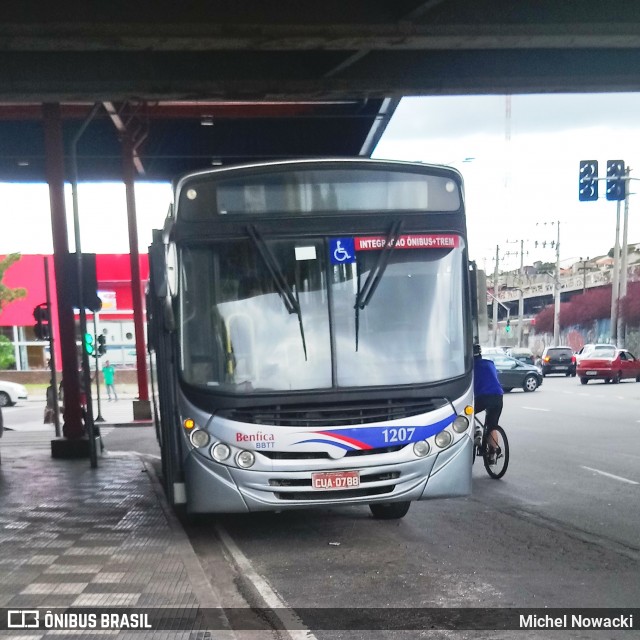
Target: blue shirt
<point>485,378</point>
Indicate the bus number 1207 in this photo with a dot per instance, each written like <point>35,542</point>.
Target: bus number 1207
<point>401,434</point>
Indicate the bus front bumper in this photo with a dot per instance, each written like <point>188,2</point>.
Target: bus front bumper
<point>217,488</point>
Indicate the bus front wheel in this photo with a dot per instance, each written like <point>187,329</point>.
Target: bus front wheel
<point>389,510</point>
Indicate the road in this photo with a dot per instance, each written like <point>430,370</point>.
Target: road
<point>559,530</point>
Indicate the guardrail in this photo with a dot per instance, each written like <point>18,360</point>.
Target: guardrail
<point>532,289</point>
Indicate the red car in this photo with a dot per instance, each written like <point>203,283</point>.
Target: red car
<point>610,365</point>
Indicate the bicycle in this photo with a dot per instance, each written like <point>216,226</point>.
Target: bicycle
<point>497,467</point>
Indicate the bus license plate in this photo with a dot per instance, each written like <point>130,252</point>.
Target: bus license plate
<point>335,480</point>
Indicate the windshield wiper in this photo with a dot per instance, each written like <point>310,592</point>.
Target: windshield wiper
<point>290,301</point>
<point>364,295</point>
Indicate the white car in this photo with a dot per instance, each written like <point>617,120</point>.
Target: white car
<point>11,392</point>
<point>589,349</point>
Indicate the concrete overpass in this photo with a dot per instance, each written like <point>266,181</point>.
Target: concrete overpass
<point>261,50</point>
<point>69,56</point>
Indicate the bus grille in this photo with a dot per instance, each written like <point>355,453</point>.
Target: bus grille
<point>322,455</point>
<point>333,416</point>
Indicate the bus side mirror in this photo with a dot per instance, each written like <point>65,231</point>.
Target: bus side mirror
<point>158,266</point>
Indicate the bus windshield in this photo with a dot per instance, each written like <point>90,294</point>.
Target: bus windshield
<point>250,327</point>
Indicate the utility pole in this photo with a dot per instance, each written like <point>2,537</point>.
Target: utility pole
<point>520,315</point>
<point>584,273</point>
<point>624,259</point>
<point>556,309</point>
<point>521,296</point>
<point>495,299</point>
<point>615,288</point>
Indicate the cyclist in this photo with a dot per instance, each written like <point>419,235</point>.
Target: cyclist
<point>488,397</point>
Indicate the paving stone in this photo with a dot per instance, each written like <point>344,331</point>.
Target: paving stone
<point>75,536</point>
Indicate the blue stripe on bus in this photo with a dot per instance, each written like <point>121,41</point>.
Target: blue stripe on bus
<point>380,436</point>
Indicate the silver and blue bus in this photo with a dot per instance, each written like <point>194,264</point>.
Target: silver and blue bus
<point>311,327</point>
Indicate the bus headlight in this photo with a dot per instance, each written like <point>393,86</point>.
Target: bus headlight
<point>460,424</point>
<point>421,448</point>
<point>443,439</point>
<point>245,459</point>
<point>220,451</point>
<point>199,438</point>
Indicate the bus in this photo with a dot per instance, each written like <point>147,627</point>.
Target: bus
<point>310,324</point>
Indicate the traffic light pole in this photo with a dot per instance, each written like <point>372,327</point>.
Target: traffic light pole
<point>91,429</point>
<point>615,288</point>
<point>504,306</point>
<point>52,352</point>
<point>624,260</point>
<point>99,417</point>
<point>617,180</point>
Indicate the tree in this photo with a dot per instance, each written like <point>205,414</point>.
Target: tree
<point>7,294</point>
<point>582,310</point>
<point>7,359</point>
<point>546,267</point>
<point>544,320</point>
<point>630,305</point>
<point>592,305</point>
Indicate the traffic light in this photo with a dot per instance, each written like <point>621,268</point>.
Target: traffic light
<point>90,299</point>
<point>41,316</point>
<point>89,345</point>
<point>588,180</point>
<point>102,348</point>
<point>508,327</point>
<point>616,185</point>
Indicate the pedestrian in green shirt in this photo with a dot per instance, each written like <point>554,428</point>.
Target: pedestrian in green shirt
<point>109,374</point>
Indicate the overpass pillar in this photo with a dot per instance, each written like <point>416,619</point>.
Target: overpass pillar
<point>142,406</point>
<point>72,428</point>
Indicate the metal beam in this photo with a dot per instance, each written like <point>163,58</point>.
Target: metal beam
<point>122,129</point>
<point>401,35</point>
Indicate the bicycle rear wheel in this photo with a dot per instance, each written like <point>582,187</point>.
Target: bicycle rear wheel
<point>496,469</point>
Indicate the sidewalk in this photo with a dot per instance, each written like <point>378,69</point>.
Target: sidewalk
<point>117,413</point>
<point>101,539</point>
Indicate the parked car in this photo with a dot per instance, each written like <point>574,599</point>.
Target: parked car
<point>610,365</point>
<point>11,392</point>
<point>513,373</point>
<point>524,355</point>
<point>558,360</point>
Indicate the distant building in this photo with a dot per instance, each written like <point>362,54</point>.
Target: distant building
<point>114,321</point>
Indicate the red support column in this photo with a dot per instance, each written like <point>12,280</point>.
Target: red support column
<point>136,284</point>
<point>54,151</point>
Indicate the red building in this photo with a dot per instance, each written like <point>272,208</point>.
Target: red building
<point>114,321</point>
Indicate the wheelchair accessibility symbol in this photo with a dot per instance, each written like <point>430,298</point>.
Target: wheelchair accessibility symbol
<point>342,250</point>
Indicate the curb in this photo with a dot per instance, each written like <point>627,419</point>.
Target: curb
<point>134,423</point>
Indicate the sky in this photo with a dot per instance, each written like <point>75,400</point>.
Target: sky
<point>520,174</point>
<point>102,213</point>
